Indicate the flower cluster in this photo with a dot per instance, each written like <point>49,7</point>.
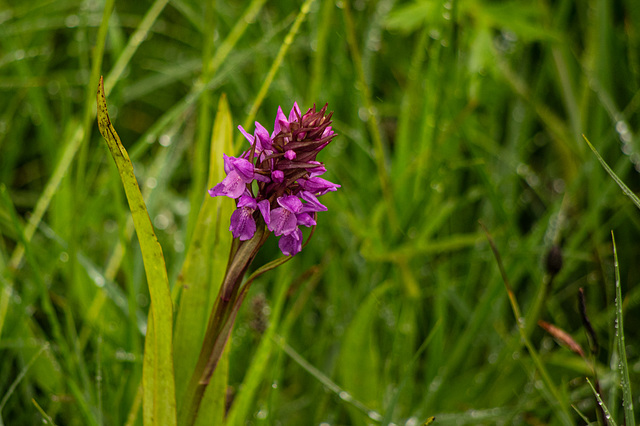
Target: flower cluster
<point>278,177</point>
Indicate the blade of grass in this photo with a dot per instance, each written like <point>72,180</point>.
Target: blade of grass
<point>199,160</point>
<point>559,404</point>
<point>18,379</point>
<point>204,265</point>
<point>610,419</point>
<point>46,419</point>
<point>158,365</point>
<point>627,399</point>
<point>80,134</point>
<point>226,47</point>
<point>134,42</point>
<point>372,121</point>
<point>262,360</point>
<point>284,48</point>
<point>615,177</point>
<point>326,381</point>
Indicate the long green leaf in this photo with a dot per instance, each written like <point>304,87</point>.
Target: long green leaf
<point>204,266</point>
<point>159,406</point>
<point>629,193</point>
<point>607,414</point>
<point>627,399</point>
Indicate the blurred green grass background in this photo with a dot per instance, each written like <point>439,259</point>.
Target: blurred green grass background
<point>448,113</point>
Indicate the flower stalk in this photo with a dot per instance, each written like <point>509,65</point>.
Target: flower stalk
<point>276,186</point>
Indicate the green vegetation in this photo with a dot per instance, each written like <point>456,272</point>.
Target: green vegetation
<point>451,117</point>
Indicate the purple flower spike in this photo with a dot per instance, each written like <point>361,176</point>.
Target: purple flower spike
<point>278,176</point>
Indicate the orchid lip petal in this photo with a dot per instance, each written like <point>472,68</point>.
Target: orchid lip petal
<point>243,225</point>
<point>282,221</point>
<point>291,244</point>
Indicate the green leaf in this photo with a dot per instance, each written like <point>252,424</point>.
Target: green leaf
<point>607,414</point>
<point>204,267</point>
<point>627,399</point>
<point>410,17</point>
<point>159,403</point>
<point>524,20</point>
<point>359,360</point>
<point>629,193</point>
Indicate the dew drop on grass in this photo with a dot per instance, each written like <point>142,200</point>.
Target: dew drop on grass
<point>99,280</point>
<point>413,421</point>
<point>72,21</point>
<point>374,415</point>
<point>345,396</point>
<point>435,384</point>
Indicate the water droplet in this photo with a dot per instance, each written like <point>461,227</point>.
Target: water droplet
<point>621,127</point>
<point>99,280</point>
<point>363,113</point>
<point>165,140</point>
<point>345,396</point>
<point>373,415</point>
<point>72,21</point>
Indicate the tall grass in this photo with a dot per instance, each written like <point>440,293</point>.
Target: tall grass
<point>448,113</point>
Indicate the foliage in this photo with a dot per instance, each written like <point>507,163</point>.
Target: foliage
<point>447,114</point>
